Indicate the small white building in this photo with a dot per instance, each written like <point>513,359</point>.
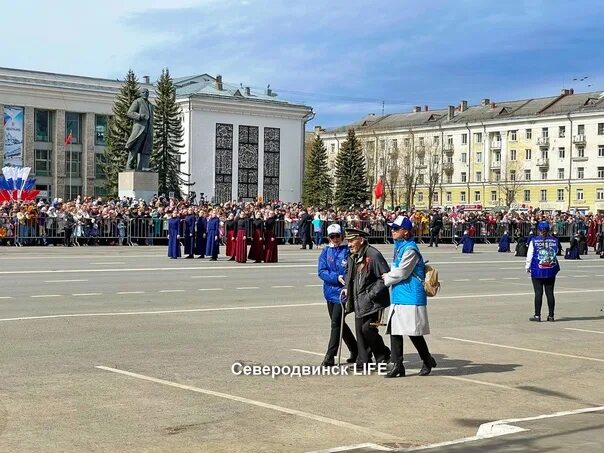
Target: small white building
<point>238,143</point>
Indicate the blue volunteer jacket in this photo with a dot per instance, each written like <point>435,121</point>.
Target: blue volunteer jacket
<point>332,263</point>
<point>411,290</point>
<point>544,261</point>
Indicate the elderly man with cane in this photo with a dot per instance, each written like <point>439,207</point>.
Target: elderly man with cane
<point>332,269</point>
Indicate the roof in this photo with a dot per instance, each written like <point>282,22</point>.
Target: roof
<point>565,103</point>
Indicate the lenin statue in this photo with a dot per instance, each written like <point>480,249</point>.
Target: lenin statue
<point>140,142</point>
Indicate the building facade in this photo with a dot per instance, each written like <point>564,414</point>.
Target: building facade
<point>237,143</point>
<point>546,153</point>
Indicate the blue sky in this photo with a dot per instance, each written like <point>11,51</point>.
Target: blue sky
<point>343,58</point>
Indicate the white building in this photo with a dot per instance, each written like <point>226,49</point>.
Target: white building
<point>238,143</point>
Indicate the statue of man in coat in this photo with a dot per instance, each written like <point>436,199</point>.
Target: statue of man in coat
<point>140,142</point>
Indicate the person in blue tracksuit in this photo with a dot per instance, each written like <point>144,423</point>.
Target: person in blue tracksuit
<point>467,243</point>
<point>542,263</point>
<point>189,233</point>
<point>332,270</point>
<point>174,236</point>
<point>504,243</point>
<point>408,313</point>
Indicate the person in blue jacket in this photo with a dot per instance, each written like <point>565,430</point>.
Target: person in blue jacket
<point>408,313</point>
<point>201,234</point>
<point>332,270</point>
<point>189,233</point>
<point>504,242</point>
<point>467,243</point>
<point>174,236</point>
<point>542,263</point>
<point>213,236</point>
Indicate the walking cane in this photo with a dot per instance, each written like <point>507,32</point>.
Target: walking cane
<point>343,304</point>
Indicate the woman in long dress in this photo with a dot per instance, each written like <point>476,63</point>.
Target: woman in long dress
<point>213,236</point>
<point>270,242</point>
<point>174,236</point>
<point>241,243</point>
<point>231,232</point>
<point>257,248</point>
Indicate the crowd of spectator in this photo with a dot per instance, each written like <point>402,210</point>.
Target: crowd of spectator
<point>91,221</point>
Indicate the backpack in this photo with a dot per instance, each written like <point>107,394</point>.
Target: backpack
<point>431,283</point>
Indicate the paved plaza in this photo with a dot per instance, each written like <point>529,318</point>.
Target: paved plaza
<point>122,349</point>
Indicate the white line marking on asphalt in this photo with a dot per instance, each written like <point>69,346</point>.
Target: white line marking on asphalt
<point>248,287</point>
<point>370,446</point>
<point>47,295</point>
<point>130,292</point>
<point>110,262</point>
<point>580,276</point>
<point>559,354</point>
<point>585,330</point>
<point>511,278</point>
<point>308,352</point>
<point>5,297</point>
<point>600,275</point>
<point>474,381</point>
<point>282,286</point>
<point>313,286</point>
<point>159,312</point>
<point>171,291</point>
<point>509,268</point>
<point>486,279</point>
<point>209,276</point>
<point>87,294</point>
<point>64,281</point>
<point>462,280</point>
<point>474,296</point>
<point>318,418</point>
<point>210,289</point>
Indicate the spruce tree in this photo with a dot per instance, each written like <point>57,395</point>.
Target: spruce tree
<point>168,138</point>
<point>317,181</point>
<point>351,174</point>
<point>119,129</point>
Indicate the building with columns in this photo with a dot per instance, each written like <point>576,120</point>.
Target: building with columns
<point>238,143</point>
<point>546,152</point>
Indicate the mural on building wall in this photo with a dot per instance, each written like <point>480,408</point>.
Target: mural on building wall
<point>272,149</point>
<point>248,163</point>
<point>223,169</point>
<point>13,136</point>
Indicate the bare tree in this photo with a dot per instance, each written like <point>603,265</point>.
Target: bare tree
<point>433,164</point>
<point>510,183</point>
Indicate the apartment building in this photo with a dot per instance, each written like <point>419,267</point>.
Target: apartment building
<point>545,152</point>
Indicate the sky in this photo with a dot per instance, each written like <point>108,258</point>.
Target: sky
<point>344,58</point>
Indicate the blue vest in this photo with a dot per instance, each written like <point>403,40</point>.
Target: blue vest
<point>411,290</point>
<point>545,262</point>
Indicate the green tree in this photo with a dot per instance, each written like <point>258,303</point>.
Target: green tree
<point>351,173</point>
<point>168,137</point>
<point>317,181</point>
<point>118,132</point>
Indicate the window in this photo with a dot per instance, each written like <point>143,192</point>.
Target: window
<point>543,174</point>
<point>464,139</point>
<point>561,131</point>
<point>477,195</point>
<point>422,162</point>
<point>73,191</point>
<point>600,150</point>
<point>497,157</point>
<point>527,175</point>
<point>512,154</point>
<point>580,172</point>
<point>478,137</point>
<point>73,164</point>
<point>435,140</point>
<point>406,142</point>
<point>449,139</point>
<point>382,145</point>
<point>581,129</point>
<point>529,134</point>
<point>435,197</point>
<point>449,179</point>
<point>544,132</point>
<point>421,141</point>
<point>435,158</point>
<point>560,194</point>
<point>543,195</point>
<point>512,175</point>
<point>560,173</point>
<point>45,190</point>
<point>600,128</point>
<point>100,130</point>
<point>497,175</point>
<point>527,195</point>
<point>493,195</point>
<point>528,154</point>
<point>100,191</point>
<point>333,147</point>
<point>420,196</point>
<point>43,126</point>
<point>581,152</point>
<point>544,153</point>
<point>479,157</point>
<point>99,166</point>
<point>72,126</point>
<point>599,194</point>
<point>600,172</point>
<point>464,177</point>
<point>579,194</point>
<point>394,143</point>
<point>420,178</point>
<point>449,197</point>
<point>513,136</point>
<point>464,157</point>
<point>462,196</point>
<point>561,152</point>
<point>478,176</point>
<point>42,162</point>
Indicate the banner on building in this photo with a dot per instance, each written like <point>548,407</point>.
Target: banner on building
<point>13,136</point>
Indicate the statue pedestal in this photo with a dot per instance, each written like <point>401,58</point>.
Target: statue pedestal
<point>137,184</point>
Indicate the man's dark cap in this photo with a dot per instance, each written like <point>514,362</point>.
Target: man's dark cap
<point>352,233</point>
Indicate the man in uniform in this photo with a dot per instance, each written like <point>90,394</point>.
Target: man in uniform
<point>367,295</point>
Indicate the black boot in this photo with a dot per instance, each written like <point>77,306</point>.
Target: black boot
<point>427,368</point>
<point>328,361</point>
<point>397,370</point>
<point>352,358</point>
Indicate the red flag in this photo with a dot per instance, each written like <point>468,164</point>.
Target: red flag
<point>68,138</point>
<point>379,189</point>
